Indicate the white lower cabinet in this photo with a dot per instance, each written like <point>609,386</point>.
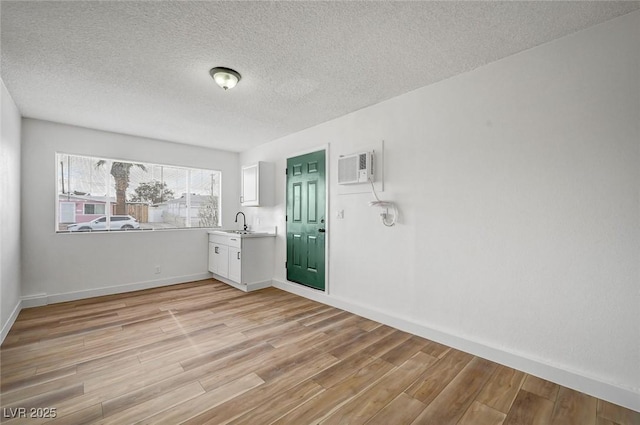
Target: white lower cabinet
<point>219,259</point>
<point>243,262</point>
<point>235,264</point>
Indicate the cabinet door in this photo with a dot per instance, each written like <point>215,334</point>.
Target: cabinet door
<point>235,264</point>
<point>213,265</point>
<point>219,259</point>
<point>250,186</point>
<point>223,260</point>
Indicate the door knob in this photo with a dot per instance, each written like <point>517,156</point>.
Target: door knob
<point>321,230</point>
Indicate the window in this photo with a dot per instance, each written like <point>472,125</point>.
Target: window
<point>133,195</point>
<point>94,209</point>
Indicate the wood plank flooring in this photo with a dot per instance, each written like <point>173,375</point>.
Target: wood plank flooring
<point>206,353</point>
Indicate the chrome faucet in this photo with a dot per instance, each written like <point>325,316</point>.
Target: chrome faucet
<point>244,219</point>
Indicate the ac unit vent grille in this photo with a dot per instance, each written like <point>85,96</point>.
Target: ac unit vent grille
<point>363,161</point>
<point>347,172</point>
<point>356,168</point>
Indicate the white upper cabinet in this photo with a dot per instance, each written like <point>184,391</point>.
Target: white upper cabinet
<point>256,184</point>
<point>250,196</point>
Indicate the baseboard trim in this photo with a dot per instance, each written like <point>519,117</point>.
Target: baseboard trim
<point>238,286</point>
<point>622,396</point>
<point>36,300</point>
<point>253,286</point>
<point>12,319</point>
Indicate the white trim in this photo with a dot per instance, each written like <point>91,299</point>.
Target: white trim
<point>44,299</point>
<point>623,396</point>
<point>258,285</point>
<point>34,300</point>
<point>327,217</point>
<point>12,318</point>
<point>248,287</point>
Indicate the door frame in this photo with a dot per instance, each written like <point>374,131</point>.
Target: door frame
<point>327,238</point>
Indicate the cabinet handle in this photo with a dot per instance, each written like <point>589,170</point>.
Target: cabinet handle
<point>216,250</point>
<point>242,199</point>
<point>238,255</point>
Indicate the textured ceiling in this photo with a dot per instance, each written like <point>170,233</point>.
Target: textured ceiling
<point>142,67</point>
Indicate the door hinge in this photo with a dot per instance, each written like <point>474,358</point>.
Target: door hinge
<point>286,171</point>
<point>286,218</point>
<point>285,264</point>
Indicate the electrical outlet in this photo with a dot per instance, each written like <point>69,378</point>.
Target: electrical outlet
<point>157,269</point>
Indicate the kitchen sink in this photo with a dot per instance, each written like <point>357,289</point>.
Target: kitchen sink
<point>247,233</point>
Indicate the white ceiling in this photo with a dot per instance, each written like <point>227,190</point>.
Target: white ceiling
<point>141,68</point>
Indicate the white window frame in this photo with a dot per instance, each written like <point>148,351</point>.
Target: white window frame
<point>111,192</point>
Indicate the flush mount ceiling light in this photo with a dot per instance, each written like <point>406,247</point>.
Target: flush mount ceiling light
<point>225,77</point>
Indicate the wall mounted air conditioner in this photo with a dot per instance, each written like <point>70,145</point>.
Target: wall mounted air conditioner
<point>356,168</point>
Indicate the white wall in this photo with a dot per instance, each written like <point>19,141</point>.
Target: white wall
<point>9,213</point>
<point>58,267</point>
<point>518,185</point>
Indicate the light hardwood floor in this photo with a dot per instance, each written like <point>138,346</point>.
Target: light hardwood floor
<point>204,352</point>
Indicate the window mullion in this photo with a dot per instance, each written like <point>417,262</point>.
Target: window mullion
<point>107,203</point>
<point>188,218</point>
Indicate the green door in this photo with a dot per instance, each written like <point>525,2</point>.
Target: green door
<point>305,219</point>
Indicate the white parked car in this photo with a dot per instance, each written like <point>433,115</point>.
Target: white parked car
<point>118,222</point>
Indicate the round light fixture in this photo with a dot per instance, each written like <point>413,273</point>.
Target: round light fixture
<point>225,77</point>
